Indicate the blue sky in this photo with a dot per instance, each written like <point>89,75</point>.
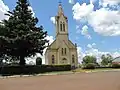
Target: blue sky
<point>93,24</point>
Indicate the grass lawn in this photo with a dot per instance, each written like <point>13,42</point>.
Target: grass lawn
<point>96,70</point>
<point>79,70</point>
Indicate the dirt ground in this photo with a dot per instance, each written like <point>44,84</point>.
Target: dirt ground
<point>82,81</point>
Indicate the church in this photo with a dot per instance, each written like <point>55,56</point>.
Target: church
<point>62,51</point>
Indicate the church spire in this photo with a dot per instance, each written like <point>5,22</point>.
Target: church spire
<point>60,10</point>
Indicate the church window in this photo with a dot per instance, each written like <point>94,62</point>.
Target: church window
<point>62,51</point>
<point>63,26</point>
<point>53,59</point>
<point>73,59</point>
<point>65,51</point>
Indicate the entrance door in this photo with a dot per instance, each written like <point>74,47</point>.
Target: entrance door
<point>64,61</point>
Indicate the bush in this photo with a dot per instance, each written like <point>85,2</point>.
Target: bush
<point>116,65</point>
<point>32,69</point>
<point>38,61</point>
<point>89,66</point>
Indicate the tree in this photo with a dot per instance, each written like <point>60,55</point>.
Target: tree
<point>89,59</point>
<point>38,61</point>
<point>89,62</point>
<point>20,36</point>
<point>106,59</point>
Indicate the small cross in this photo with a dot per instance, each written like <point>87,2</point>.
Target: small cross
<point>60,2</point>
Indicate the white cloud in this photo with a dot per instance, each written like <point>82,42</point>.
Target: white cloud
<point>89,46</point>
<point>95,52</point>
<point>93,1</point>
<point>116,54</point>
<point>72,2</point>
<point>85,32</point>
<point>93,44</point>
<point>53,20</point>
<point>82,11</point>
<point>81,54</point>
<point>104,3</point>
<point>30,8</point>
<point>77,27</point>
<point>3,9</point>
<point>105,22</point>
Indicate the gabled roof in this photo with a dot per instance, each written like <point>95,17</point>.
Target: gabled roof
<point>53,45</point>
<point>72,45</point>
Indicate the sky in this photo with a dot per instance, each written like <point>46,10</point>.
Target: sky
<point>93,24</point>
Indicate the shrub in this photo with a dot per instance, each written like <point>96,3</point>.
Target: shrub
<point>32,69</point>
<point>38,61</point>
<point>116,65</point>
<point>89,66</point>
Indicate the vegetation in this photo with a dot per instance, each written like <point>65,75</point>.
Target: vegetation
<point>89,62</point>
<point>89,66</point>
<point>106,60</point>
<point>116,65</point>
<point>89,59</point>
<point>20,36</point>
<point>32,69</point>
<point>38,61</point>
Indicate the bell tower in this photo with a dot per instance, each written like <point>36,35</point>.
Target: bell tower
<point>62,51</point>
<point>61,23</point>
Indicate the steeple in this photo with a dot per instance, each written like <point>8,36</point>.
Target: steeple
<point>61,23</point>
<point>60,10</point>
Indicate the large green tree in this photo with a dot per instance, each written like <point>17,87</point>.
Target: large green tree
<point>89,59</point>
<point>106,59</point>
<point>20,36</point>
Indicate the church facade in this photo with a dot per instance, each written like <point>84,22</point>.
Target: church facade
<point>62,51</point>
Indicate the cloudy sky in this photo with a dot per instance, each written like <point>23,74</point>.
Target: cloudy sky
<point>93,24</point>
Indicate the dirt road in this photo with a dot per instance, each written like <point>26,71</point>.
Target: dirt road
<point>82,81</point>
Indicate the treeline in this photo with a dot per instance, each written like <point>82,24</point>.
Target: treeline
<point>106,61</point>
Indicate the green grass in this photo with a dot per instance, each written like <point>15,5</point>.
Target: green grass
<point>92,70</point>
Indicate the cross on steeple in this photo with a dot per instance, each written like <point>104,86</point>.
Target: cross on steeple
<point>60,2</point>
<point>60,11</point>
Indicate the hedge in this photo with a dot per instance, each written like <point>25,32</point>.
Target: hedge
<point>32,69</point>
<point>116,65</point>
<point>89,66</point>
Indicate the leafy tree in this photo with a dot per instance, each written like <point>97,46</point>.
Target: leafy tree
<point>20,36</point>
<point>106,59</point>
<point>38,61</point>
<point>89,59</point>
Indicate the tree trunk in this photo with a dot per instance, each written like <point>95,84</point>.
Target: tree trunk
<point>22,61</point>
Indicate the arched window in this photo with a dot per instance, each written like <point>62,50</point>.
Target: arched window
<point>62,51</point>
<point>73,59</point>
<point>63,26</point>
<point>60,26</point>
<point>65,51</point>
<point>53,59</point>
